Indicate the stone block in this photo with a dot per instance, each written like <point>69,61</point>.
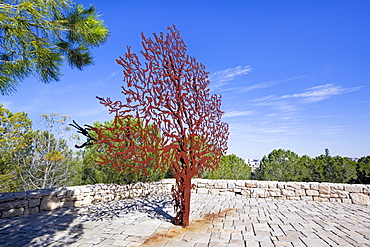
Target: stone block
<point>240,183</point>
<point>45,192</point>
<point>258,193</point>
<point>337,186</point>
<point>237,190</point>
<point>7,197</point>
<point>292,186</point>
<point>324,195</point>
<point>296,198</point>
<point>214,191</point>
<point>335,199</point>
<point>34,203</point>
<point>272,185</point>
<point>12,212</point>
<point>49,203</point>
<point>324,188</point>
<point>339,193</point>
<point>32,195</point>
<point>307,198</point>
<point>89,199</point>
<point>202,191</point>
<point>312,192</point>
<point>281,185</point>
<point>220,185</point>
<point>353,188</point>
<point>288,193</point>
<point>361,199</point>
<point>20,195</point>
<point>347,200</point>
<point>320,199</point>
<point>263,184</point>
<point>66,204</point>
<point>13,204</point>
<point>61,193</point>
<point>251,184</point>
<point>76,191</point>
<point>305,186</point>
<point>230,185</point>
<point>314,186</point>
<point>274,192</point>
<point>77,198</point>
<point>300,192</point>
<point>246,193</point>
<point>367,189</point>
<point>200,185</point>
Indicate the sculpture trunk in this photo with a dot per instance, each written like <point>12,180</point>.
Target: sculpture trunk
<point>187,195</point>
<point>182,194</point>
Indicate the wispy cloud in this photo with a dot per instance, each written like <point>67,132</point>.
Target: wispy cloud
<point>220,78</point>
<point>263,84</point>
<point>233,113</point>
<point>108,78</point>
<point>312,95</point>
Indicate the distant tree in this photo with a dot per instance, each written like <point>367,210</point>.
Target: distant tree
<point>312,171</point>
<point>231,167</point>
<point>15,139</point>
<point>168,92</point>
<point>47,163</point>
<point>36,36</point>
<point>280,165</point>
<point>336,169</point>
<point>363,170</point>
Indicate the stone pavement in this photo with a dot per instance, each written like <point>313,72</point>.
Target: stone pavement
<point>215,221</point>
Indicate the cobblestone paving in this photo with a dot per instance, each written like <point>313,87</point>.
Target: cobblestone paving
<point>215,221</point>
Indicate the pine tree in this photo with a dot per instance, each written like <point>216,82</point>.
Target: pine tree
<point>36,36</point>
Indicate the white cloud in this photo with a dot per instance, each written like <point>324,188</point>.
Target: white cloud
<point>220,78</point>
<point>263,84</point>
<point>233,113</point>
<point>319,93</point>
<point>312,95</point>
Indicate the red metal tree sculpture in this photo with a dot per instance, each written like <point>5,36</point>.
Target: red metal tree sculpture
<point>169,118</point>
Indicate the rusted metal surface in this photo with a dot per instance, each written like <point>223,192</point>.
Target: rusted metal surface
<point>168,117</point>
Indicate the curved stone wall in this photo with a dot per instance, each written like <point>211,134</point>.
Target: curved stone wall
<point>28,202</point>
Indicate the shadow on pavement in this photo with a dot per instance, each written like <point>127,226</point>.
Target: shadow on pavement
<point>153,206</point>
<point>57,227</point>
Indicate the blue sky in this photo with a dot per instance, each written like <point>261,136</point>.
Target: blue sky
<point>293,74</point>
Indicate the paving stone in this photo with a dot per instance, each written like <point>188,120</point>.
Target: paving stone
<point>236,222</point>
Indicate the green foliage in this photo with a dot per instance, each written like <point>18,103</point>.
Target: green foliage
<point>37,35</point>
<point>91,173</point>
<point>230,167</point>
<point>282,165</point>
<point>15,139</point>
<point>363,170</point>
<point>336,169</point>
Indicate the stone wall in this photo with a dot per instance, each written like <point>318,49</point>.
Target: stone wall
<point>34,201</point>
<point>28,202</point>
<point>343,193</point>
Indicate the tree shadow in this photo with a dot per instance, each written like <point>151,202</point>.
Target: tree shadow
<point>65,226</point>
<point>58,227</point>
<point>155,207</point>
